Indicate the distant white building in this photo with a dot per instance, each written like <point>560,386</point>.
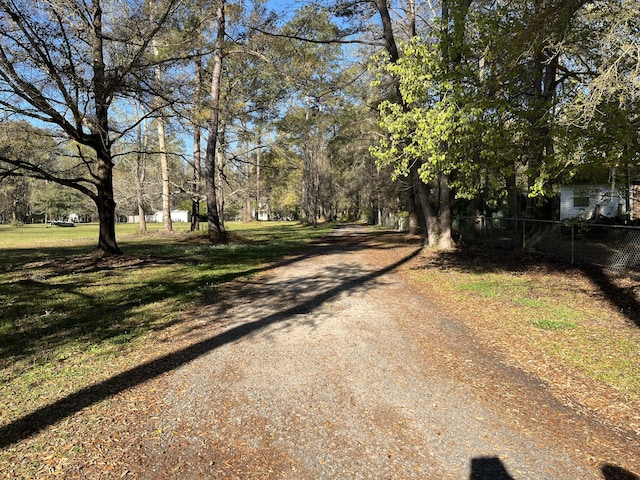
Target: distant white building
<point>158,217</point>
<point>589,201</point>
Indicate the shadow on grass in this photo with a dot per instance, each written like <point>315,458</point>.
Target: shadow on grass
<point>347,278</point>
<point>618,291</point>
<point>61,295</point>
<point>52,296</point>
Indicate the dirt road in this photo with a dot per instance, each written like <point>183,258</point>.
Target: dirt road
<point>330,367</point>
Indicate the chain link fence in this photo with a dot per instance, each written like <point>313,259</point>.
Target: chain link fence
<point>613,247</point>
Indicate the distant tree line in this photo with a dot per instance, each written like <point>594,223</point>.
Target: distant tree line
<point>341,109</point>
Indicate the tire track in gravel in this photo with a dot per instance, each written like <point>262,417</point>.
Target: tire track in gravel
<point>337,371</point>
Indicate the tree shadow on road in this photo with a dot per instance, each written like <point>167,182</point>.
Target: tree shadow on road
<point>348,281</point>
<point>62,295</point>
<point>54,297</point>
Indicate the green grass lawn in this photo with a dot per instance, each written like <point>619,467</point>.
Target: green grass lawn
<point>65,317</point>
<point>41,235</point>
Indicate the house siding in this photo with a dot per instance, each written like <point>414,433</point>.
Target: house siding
<point>635,202</point>
<point>610,203</point>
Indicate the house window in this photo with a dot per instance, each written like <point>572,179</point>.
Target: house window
<point>580,199</point>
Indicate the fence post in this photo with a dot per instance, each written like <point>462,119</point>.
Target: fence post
<point>572,242</point>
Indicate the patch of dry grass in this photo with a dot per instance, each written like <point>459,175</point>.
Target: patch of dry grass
<point>577,329</point>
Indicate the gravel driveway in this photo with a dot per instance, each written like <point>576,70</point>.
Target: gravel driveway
<point>329,366</point>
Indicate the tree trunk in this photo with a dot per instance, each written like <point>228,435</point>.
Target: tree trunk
<point>195,195</point>
<point>316,187</point>
<point>429,211</point>
<point>446,240</point>
<point>247,209</point>
<point>387,30</point>
<point>306,210</point>
<point>162,147</point>
<point>544,85</point>
<point>430,215</point>
<point>106,206</point>
<point>411,207</point>
<point>247,170</point>
<point>220,165</point>
<point>258,161</point>
<point>140,168</point>
<point>166,187</point>
<point>512,195</point>
<point>197,157</point>
<point>140,173</point>
<point>101,143</point>
<point>214,226</point>
<point>142,221</point>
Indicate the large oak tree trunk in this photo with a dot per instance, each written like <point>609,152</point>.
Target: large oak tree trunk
<point>106,205</point>
<point>411,207</point>
<point>101,143</point>
<point>438,227</point>
<point>430,213</point>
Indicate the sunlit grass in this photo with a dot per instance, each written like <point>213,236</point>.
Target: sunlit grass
<point>67,320</point>
<point>555,318</point>
<point>553,324</point>
<point>43,235</point>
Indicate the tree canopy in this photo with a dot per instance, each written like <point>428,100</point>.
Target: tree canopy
<point>339,109</point>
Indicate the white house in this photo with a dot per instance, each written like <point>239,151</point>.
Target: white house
<point>588,201</point>
<point>158,217</point>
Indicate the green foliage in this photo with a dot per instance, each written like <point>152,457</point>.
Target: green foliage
<point>493,98</point>
<point>21,143</point>
<point>281,177</point>
<point>439,123</point>
<point>58,202</point>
